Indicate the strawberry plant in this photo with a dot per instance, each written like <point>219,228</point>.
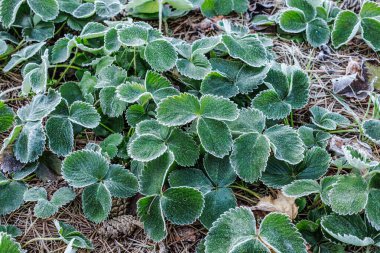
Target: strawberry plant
<point>212,8</point>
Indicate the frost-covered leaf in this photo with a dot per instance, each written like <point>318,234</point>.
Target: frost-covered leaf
<point>63,196</point>
<point>69,233</point>
<point>150,213</point>
<point>196,68</point>
<point>271,105</point>
<point>183,147</point>
<point>327,184</point>
<point>372,208</point>
<point>12,196</point>
<point>44,209</point>
<point>96,202</point>
<point>8,244</point>
<point>277,231</point>
<point>8,11</point>
<point>111,40</point>
<point>213,107</point>
<point>292,21</point>
<point>357,158</point>
<point>346,26</point>
<point>84,114</point>
<point>136,114</point>
<point>163,61</point>
<point>46,9</point>
<point>147,147</point>
<point>110,144</point>
<point>84,10</point>
<point>370,9</point>
<point>250,163</point>
<point>371,130</point>
<point>192,178</point>
<point>348,195</point>
<point>35,194</point>
<point>40,32</point>
<point>182,205</point>
<point>370,36</point>
<point>300,188</point>
<point>36,76</point>
<point>219,170</point>
<point>6,117</point>
<point>286,143</point>
<point>22,55</point>
<point>84,167</point>
<point>111,75</point>
<point>347,229</point>
<point>60,134</point>
<point>11,230</point>
<point>249,49</point>
<point>212,8</point>
<point>317,32</point>
<point>120,182</point>
<point>313,137</point>
<point>215,136</point>
<point>93,29</point>
<point>133,36</point>
<point>325,119</point>
<point>217,84</point>
<point>305,6</point>
<point>30,143</point>
<point>110,102</point>
<point>107,8</point>
<point>61,50</point>
<point>40,107</point>
<point>249,120</point>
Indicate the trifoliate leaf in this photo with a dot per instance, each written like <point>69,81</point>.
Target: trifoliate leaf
<point>232,229</point>
<point>150,213</point>
<point>165,60</point>
<point>40,32</point>
<point>317,32</point>
<point>154,174</point>
<point>35,194</point>
<point>110,103</point>
<point>84,167</point>
<point>191,177</point>
<point>218,108</point>
<point>277,231</point>
<point>133,36</point>
<point>84,114</point>
<point>111,76</point>
<point>11,230</point>
<point>178,110</point>
<point>107,8</point>
<point>300,188</point>
<point>286,143</point>
<point>217,84</point>
<point>84,10</point>
<point>44,209</point>
<point>63,196</point>
<point>69,233</point>
<point>6,117</point>
<point>182,205</point>
<point>219,170</point>
<point>23,55</point>
<point>305,6</point>
<point>40,107</point>
<point>347,229</point>
<point>204,45</point>
<point>110,144</point>
<point>358,158</point>
<point>271,105</point>
<point>147,147</point>
<point>215,136</point>
<point>46,9</point>
<point>61,50</point>
<point>30,143</point>
<point>349,195</point>
<point>12,196</point>
<point>120,182</point>
<point>313,137</point>
<point>249,120</point>
<point>292,21</point>
<point>249,49</point>
<point>216,203</point>
<point>136,114</point>
<point>325,119</point>
<point>96,202</point>
<point>8,244</point>
<point>183,147</point>
<point>369,26</point>
<point>250,163</point>
<point>196,68</point>
<point>346,26</point>
<point>371,130</point>
<point>8,11</point>
<point>60,134</point>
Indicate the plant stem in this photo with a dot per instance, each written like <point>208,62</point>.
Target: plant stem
<point>65,66</point>
<point>160,15</point>
<point>344,131</point>
<point>68,67</point>
<point>41,239</point>
<point>246,190</point>
<point>107,128</point>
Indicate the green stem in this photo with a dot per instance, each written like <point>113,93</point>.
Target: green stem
<point>107,128</point>
<point>246,190</point>
<point>65,66</point>
<point>14,50</point>
<point>68,67</point>
<point>344,131</point>
<point>60,28</point>
<point>41,239</point>
<point>160,15</point>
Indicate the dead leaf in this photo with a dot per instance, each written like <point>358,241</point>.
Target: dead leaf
<point>9,163</point>
<point>280,204</point>
<point>336,143</point>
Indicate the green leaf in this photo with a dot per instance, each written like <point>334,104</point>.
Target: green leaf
<point>120,182</point>
<point>11,230</point>
<point>150,213</point>
<point>305,6</point>
<point>250,163</point>
<point>218,108</point>
<point>46,9</point>
<point>286,143</point>
<point>107,8</point>
<point>154,174</point>
<point>372,208</point>
<point>192,178</point>
<point>370,9</point>
<point>12,196</point>
<point>196,68</point>
<point>346,26</point>
<point>11,137</point>
<point>154,128</point>
<point>83,168</point>
<point>215,136</point>
<point>271,105</point>
<point>63,196</point>
<point>92,29</point>
<point>136,114</point>
<point>61,50</point>
<point>182,205</point>
<point>96,202</point>
<point>325,119</point>
<point>183,147</point>
<point>249,120</point>
<point>111,76</point>
<point>313,137</point>
<point>69,233</point>
<point>35,76</point>
<point>147,147</point>
<point>300,188</point>
<point>35,194</point>
<point>44,209</point>
<point>317,32</point>
<point>178,110</point>
<point>40,32</point>
<point>6,117</point>
<point>358,158</point>
<point>347,229</point>
<point>110,144</point>
<point>231,229</point>
<point>219,170</point>
<point>249,49</point>
<point>130,92</point>
<point>370,36</point>
<point>8,11</point>
<point>60,134</point>
<point>277,231</point>
<point>292,21</point>
<point>371,130</point>
<point>8,244</point>
<point>216,203</point>
<point>217,84</point>
<point>30,143</point>
<point>22,55</point>
<point>133,36</point>
<point>111,40</point>
<point>40,107</point>
<point>84,10</point>
<point>165,60</point>
<point>84,114</point>
<point>349,195</point>
<point>327,184</point>
<point>110,103</point>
